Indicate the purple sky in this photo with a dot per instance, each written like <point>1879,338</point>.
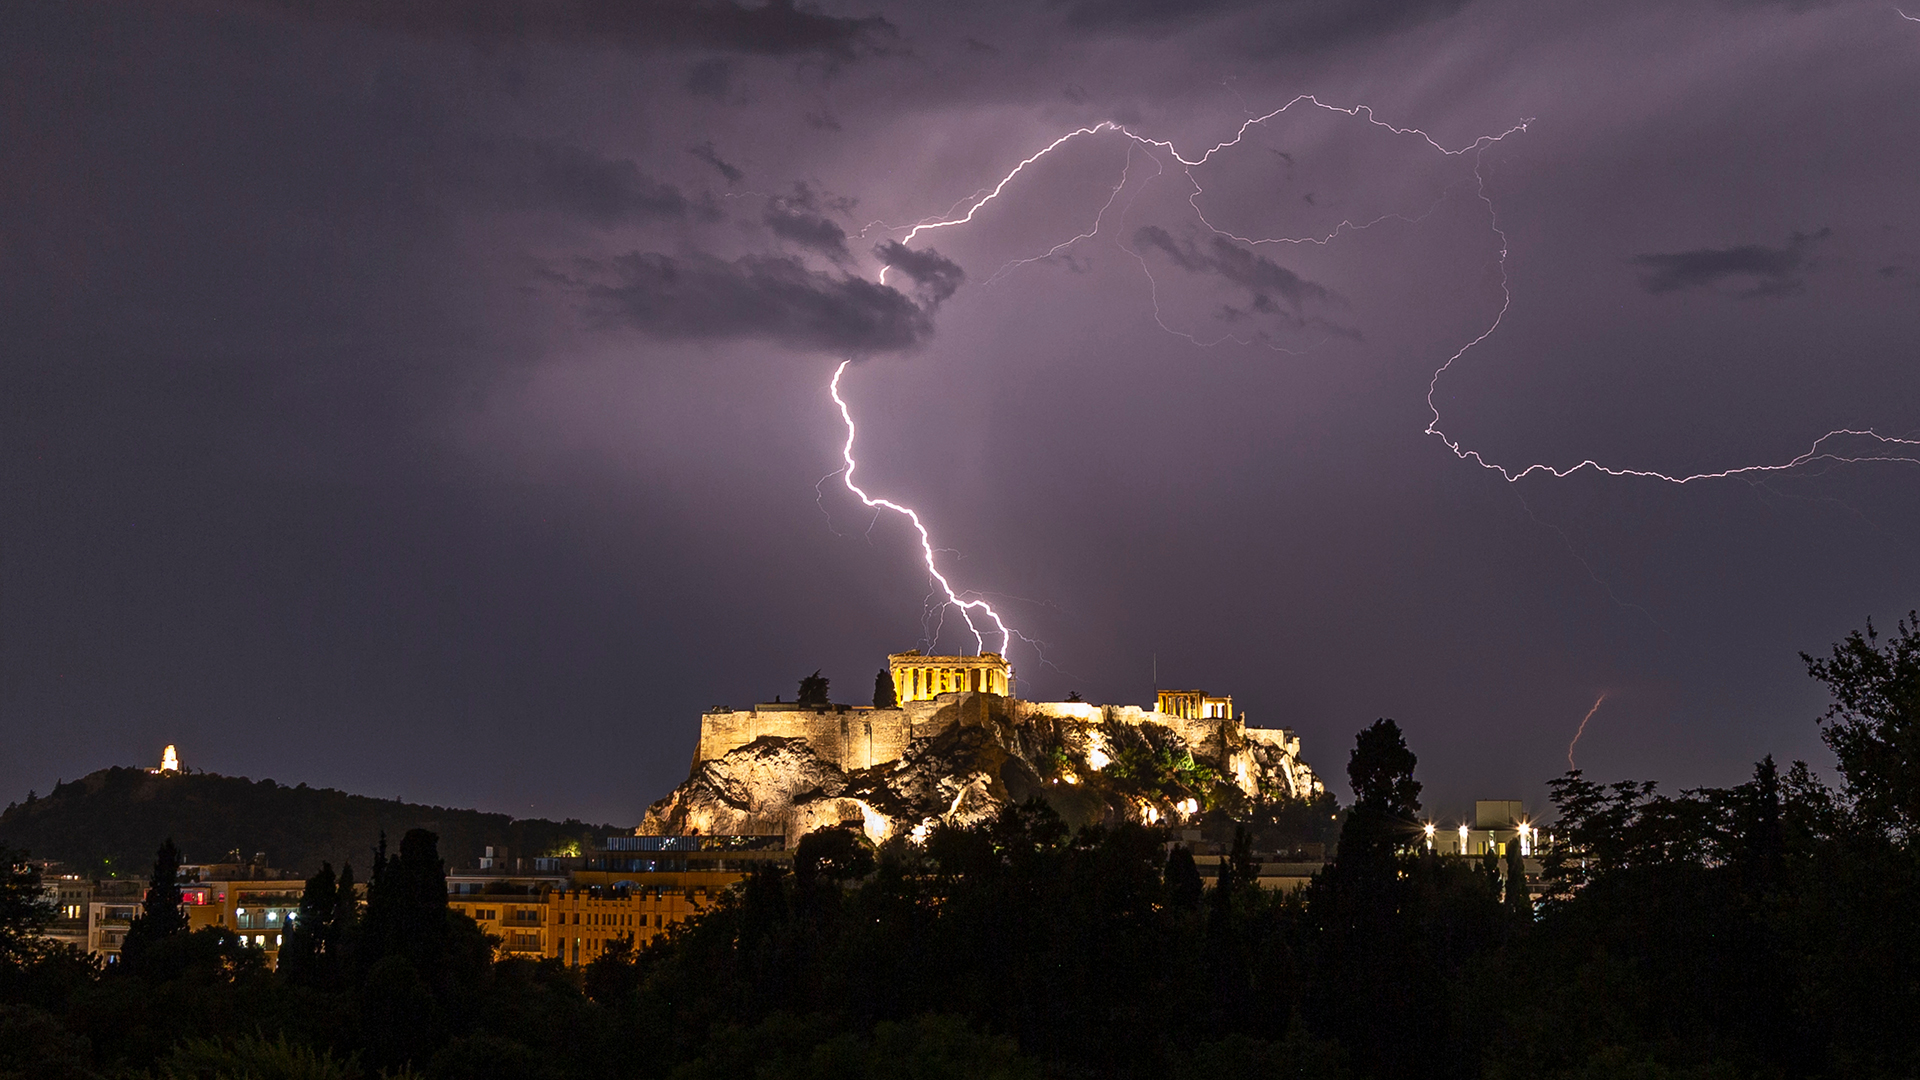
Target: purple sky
<point>433,405</point>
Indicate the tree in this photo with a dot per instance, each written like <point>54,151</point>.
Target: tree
<point>1873,723</point>
<point>1381,771</point>
<point>1519,904</point>
<point>834,853</point>
<point>1386,798</point>
<point>346,915</point>
<point>311,951</point>
<point>813,691</point>
<point>1182,879</point>
<point>1373,960</point>
<point>407,904</point>
<point>23,905</point>
<point>161,914</point>
<point>613,975</point>
<point>883,697</point>
<point>1243,868</point>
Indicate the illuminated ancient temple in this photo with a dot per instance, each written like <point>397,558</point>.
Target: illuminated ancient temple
<point>923,678</point>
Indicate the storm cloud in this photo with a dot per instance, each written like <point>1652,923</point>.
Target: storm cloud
<point>1260,276</point>
<point>1766,271</point>
<point>777,28</point>
<point>530,174</point>
<point>935,277</point>
<point>698,296</point>
<point>705,152</point>
<point>1286,25</point>
<point>809,231</point>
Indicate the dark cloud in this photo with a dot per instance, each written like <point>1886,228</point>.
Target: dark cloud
<point>1260,276</point>
<point>528,174</point>
<point>805,197</point>
<point>711,78</point>
<point>823,121</point>
<point>935,277</point>
<point>1289,25</point>
<point>696,296</point>
<point>1768,271</point>
<point>705,152</point>
<point>778,28</point>
<point>809,231</point>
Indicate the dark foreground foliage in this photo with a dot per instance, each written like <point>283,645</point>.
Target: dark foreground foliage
<point>1766,930</point>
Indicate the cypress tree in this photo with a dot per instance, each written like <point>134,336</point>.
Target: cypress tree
<point>1244,869</point>
<point>161,914</point>
<point>883,697</point>
<point>1182,878</point>
<point>1519,904</point>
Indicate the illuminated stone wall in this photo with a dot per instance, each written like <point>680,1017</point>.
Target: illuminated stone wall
<point>851,736</point>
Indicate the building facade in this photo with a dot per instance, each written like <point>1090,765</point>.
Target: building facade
<point>633,888</point>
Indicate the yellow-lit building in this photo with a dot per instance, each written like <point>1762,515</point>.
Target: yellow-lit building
<point>923,678</point>
<point>576,925</point>
<point>635,887</point>
<point>258,911</point>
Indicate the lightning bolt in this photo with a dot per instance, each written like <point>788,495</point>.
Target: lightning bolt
<point>1857,445</point>
<point>1866,444</point>
<point>1583,728</point>
<point>967,607</point>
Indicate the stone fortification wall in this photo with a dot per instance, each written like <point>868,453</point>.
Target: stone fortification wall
<point>850,736</point>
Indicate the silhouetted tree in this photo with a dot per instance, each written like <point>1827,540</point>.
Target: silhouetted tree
<point>1373,963</point>
<point>1243,868</point>
<point>883,697</point>
<point>23,907</point>
<point>161,914</point>
<point>834,853</point>
<point>407,905</point>
<point>311,953</point>
<point>1518,903</point>
<point>1873,723</point>
<point>346,917</point>
<point>813,691</point>
<point>1182,878</point>
<point>613,975</point>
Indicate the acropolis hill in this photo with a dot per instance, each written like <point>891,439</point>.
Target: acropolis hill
<point>958,746</point>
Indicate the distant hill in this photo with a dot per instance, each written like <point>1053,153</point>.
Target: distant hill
<point>112,821</point>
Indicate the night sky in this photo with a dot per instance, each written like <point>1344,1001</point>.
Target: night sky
<point>430,399</point>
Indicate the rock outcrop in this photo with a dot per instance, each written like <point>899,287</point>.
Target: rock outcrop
<point>969,756</point>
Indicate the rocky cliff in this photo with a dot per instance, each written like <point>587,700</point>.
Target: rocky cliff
<point>980,752</point>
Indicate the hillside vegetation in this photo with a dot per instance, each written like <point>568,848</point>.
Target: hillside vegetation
<point>110,823</point>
